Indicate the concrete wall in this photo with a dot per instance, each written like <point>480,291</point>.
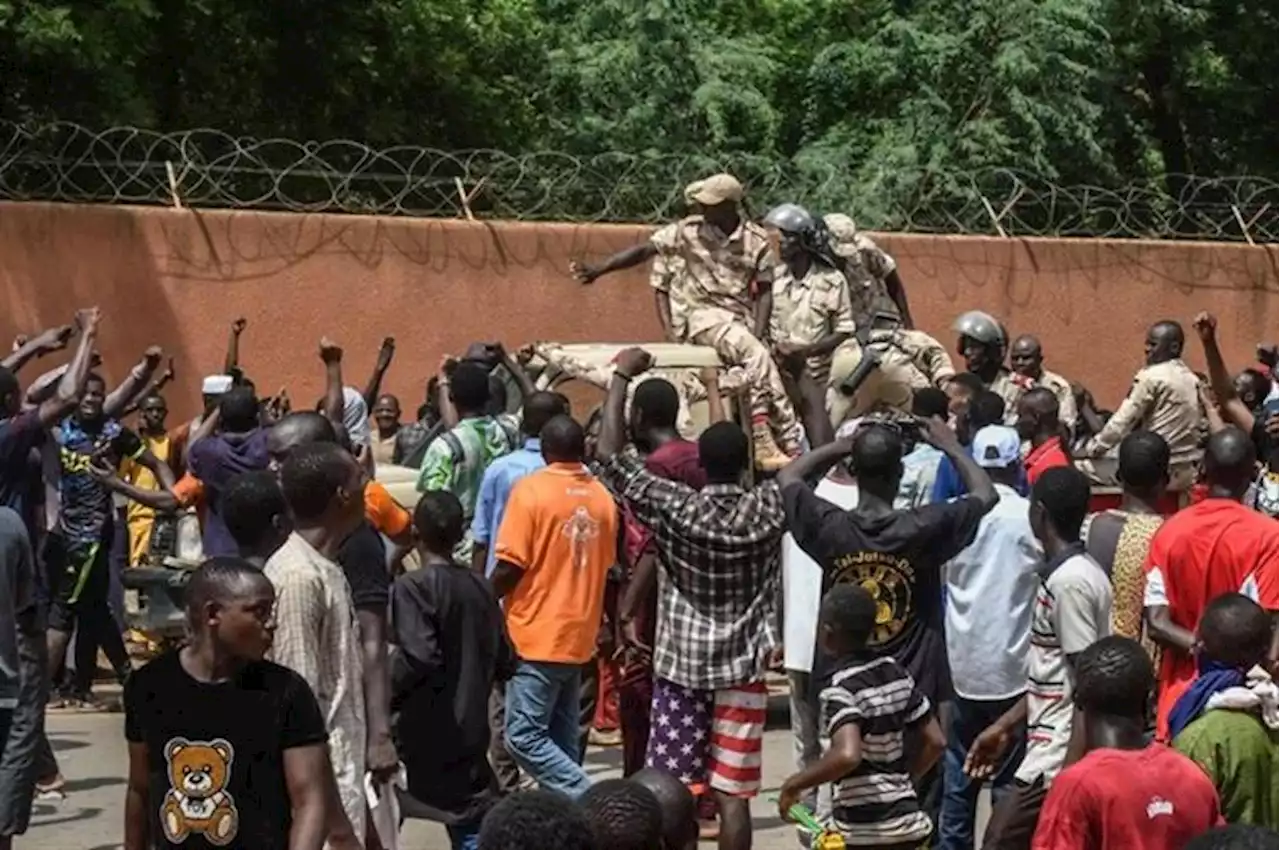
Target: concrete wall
<point>178,278</point>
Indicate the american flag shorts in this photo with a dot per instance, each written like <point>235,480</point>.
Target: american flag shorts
<point>708,739</point>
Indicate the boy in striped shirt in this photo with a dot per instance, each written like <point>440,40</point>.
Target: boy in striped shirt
<point>869,707</point>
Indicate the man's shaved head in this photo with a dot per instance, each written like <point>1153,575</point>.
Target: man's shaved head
<point>563,440</point>
<point>1229,462</point>
<point>1038,414</point>
<point>876,458</point>
<point>1026,342</point>
<point>300,428</point>
<point>679,809</point>
<point>220,579</point>
<point>1164,341</point>
<point>1026,356</point>
<point>1041,400</point>
<point>1169,329</point>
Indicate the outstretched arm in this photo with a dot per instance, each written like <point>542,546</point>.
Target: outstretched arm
<point>120,399</point>
<point>374,387</point>
<point>153,386</point>
<point>232,361</point>
<point>522,379</point>
<point>161,500</point>
<point>624,259</point>
<point>46,342</point>
<point>71,384</point>
<point>1234,410</point>
<point>630,363</point>
<point>331,354</point>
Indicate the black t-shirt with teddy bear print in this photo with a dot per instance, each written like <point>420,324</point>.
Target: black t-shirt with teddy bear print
<point>215,752</point>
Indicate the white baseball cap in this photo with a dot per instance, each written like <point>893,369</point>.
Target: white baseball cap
<point>997,447</point>
<point>216,384</point>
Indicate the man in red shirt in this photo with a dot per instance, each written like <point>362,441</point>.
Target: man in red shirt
<point>1039,425</point>
<point>1217,546</point>
<point>1124,794</point>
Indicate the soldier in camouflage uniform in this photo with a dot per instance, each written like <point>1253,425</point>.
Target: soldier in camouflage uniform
<point>713,286</point>
<point>876,293</point>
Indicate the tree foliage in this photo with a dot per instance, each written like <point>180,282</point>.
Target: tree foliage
<point>890,94</point>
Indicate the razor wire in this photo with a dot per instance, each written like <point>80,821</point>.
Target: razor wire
<point>209,168</point>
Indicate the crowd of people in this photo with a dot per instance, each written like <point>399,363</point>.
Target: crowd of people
<point>970,578</point>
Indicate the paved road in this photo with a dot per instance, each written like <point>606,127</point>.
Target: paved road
<point>91,750</point>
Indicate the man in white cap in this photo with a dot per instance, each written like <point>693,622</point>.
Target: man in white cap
<point>214,387</point>
<point>987,655</point>
<point>714,287</point>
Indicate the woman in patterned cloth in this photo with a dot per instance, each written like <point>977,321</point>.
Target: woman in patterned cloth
<point>1119,539</point>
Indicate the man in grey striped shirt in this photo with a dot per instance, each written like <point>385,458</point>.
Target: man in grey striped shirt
<point>869,709</point>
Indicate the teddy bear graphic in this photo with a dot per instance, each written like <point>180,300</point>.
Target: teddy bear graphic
<point>197,803</point>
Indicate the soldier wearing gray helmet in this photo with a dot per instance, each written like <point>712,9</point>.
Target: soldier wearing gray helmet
<point>982,342</point>
<point>811,313</point>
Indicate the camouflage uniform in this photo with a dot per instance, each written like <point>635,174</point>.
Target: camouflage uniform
<point>909,360</point>
<point>711,287</point>
<point>1164,398</point>
<point>930,363</point>
<point>866,267</point>
<point>809,309</point>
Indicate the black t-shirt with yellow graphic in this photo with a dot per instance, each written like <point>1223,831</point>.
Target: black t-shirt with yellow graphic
<point>85,502</point>
<point>898,558</point>
<point>215,752</point>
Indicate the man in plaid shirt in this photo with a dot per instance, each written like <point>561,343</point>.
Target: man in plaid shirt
<point>719,548</point>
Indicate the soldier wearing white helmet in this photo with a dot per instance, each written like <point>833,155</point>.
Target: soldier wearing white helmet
<point>982,342</point>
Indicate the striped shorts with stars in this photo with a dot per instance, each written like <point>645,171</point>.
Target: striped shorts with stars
<point>708,739</point>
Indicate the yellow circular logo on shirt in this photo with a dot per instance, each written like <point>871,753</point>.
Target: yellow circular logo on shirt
<point>888,579</point>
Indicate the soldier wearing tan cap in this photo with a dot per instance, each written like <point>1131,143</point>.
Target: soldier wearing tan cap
<point>712,280</point>
<point>876,291</point>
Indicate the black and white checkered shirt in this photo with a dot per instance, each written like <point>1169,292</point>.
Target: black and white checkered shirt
<point>718,589</point>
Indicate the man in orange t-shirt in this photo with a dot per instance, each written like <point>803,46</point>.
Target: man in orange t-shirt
<point>1214,547</point>
<point>556,544</point>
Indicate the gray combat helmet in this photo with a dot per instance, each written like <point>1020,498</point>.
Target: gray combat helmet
<point>980,326</point>
<point>790,218</point>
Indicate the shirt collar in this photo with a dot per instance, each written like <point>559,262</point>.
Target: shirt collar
<point>722,490</point>
<point>565,468</point>
<point>1068,552</point>
<point>712,235</point>
<point>533,444</point>
<point>1044,448</point>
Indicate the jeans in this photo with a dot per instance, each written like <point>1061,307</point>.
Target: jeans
<point>464,836</point>
<point>543,704</point>
<point>960,793</point>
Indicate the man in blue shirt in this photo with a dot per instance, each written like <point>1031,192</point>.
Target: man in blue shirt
<point>491,503</point>
<point>987,408</point>
<point>503,473</point>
